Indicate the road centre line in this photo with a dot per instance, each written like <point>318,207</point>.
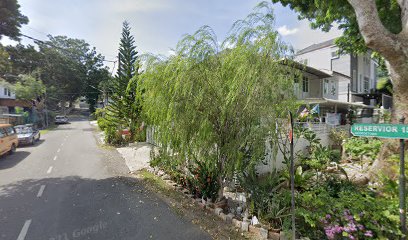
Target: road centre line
<point>39,194</point>
<point>59,149</point>
<point>24,230</point>
<point>55,158</point>
<point>49,170</point>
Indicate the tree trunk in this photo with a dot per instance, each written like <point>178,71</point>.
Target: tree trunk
<point>221,163</point>
<point>394,49</point>
<point>400,109</point>
<point>399,77</point>
<point>221,190</point>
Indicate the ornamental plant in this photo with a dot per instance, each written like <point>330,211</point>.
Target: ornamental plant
<point>212,101</point>
<point>345,226</point>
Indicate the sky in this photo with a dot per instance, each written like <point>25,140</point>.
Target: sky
<point>157,25</point>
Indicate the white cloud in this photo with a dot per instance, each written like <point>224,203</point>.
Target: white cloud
<point>132,6</point>
<point>285,31</point>
<point>171,52</point>
<point>305,36</point>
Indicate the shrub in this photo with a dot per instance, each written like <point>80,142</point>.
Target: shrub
<point>268,198</point>
<point>203,181</point>
<point>337,136</point>
<point>350,213</point>
<point>102,123</point>
<point>356,147</point>
<point>112,136</point>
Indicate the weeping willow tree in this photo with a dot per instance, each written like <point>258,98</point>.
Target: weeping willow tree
<point>218,102</point>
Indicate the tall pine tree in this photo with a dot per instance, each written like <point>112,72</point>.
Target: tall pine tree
<point>123,109</point>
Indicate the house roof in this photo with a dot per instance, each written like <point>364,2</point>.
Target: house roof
<point>316,46</point>
<point>305,68</point>
<point>332,73</point>
<point>15,103</point>
<point>333,102</point>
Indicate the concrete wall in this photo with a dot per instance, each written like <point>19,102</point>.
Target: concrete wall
<point>319,59</point>
<point>343,83</point>
<point>342,64</point>
<point>277,162</point>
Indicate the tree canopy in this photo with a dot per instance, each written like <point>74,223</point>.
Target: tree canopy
<point>324,14</point>
<point>29,88</point>
<point>124,108</point>
<point>11,19</point>
<point>218,103</point>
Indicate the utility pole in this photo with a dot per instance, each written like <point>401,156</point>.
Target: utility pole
<point>402,194</point>
<point>292,176</point>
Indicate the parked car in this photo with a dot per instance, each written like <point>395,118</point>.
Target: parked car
<point>61,120</point>
<point>8,139</point>
<point>27,134</point>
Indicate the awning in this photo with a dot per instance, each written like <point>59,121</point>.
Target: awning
<point>326,101</point>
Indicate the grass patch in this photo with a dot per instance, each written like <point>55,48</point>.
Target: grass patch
<point>159,185</point>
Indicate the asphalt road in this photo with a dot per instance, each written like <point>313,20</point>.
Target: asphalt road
<point>66,187</point>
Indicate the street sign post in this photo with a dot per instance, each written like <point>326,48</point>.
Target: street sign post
<point>292,176</point>
<point>395,131</point>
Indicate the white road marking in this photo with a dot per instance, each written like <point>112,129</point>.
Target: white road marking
<point>55,158</point>
<point>39,194</point>
<point>62,144</point>
<point>24,230</point>
<point>59,149</point>
<point>49,170</point>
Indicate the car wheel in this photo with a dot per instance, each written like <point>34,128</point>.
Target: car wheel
<point>12,149</point>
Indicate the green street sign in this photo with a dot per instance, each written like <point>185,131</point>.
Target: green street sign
<point>399,131</point>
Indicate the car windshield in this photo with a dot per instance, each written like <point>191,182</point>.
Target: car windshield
<point>24,130</point>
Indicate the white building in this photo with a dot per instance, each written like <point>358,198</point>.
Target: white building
<point>353,78</point>
<point>6,92</point>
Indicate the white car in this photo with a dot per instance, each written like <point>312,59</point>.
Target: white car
<point>61,120</point>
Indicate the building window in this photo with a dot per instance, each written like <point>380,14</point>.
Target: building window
<point>8,92</point>
<point>366,84</point>
<point>305,84</point>
<point>5,91</point>
<point>354,81</point>
<point>296,79</point>
<point>360,83</point>
<point>333,87</point>
<point>325,86</point>
<point>334,53</point>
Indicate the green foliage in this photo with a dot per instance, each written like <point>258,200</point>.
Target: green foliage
<point>357,147</point>
<point>322,213</point>
<point>112,135</point>
<point>324,14</point>
<point>11,19</point>
<point>337,136</point>
<point>5,64</point>
<point>29,88</point>
<point>203,180</point>
<point>268,199</point>
<point>102,123</point>
<point>214,102</point>
<point>24,59</point>
<point>384,85</point>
